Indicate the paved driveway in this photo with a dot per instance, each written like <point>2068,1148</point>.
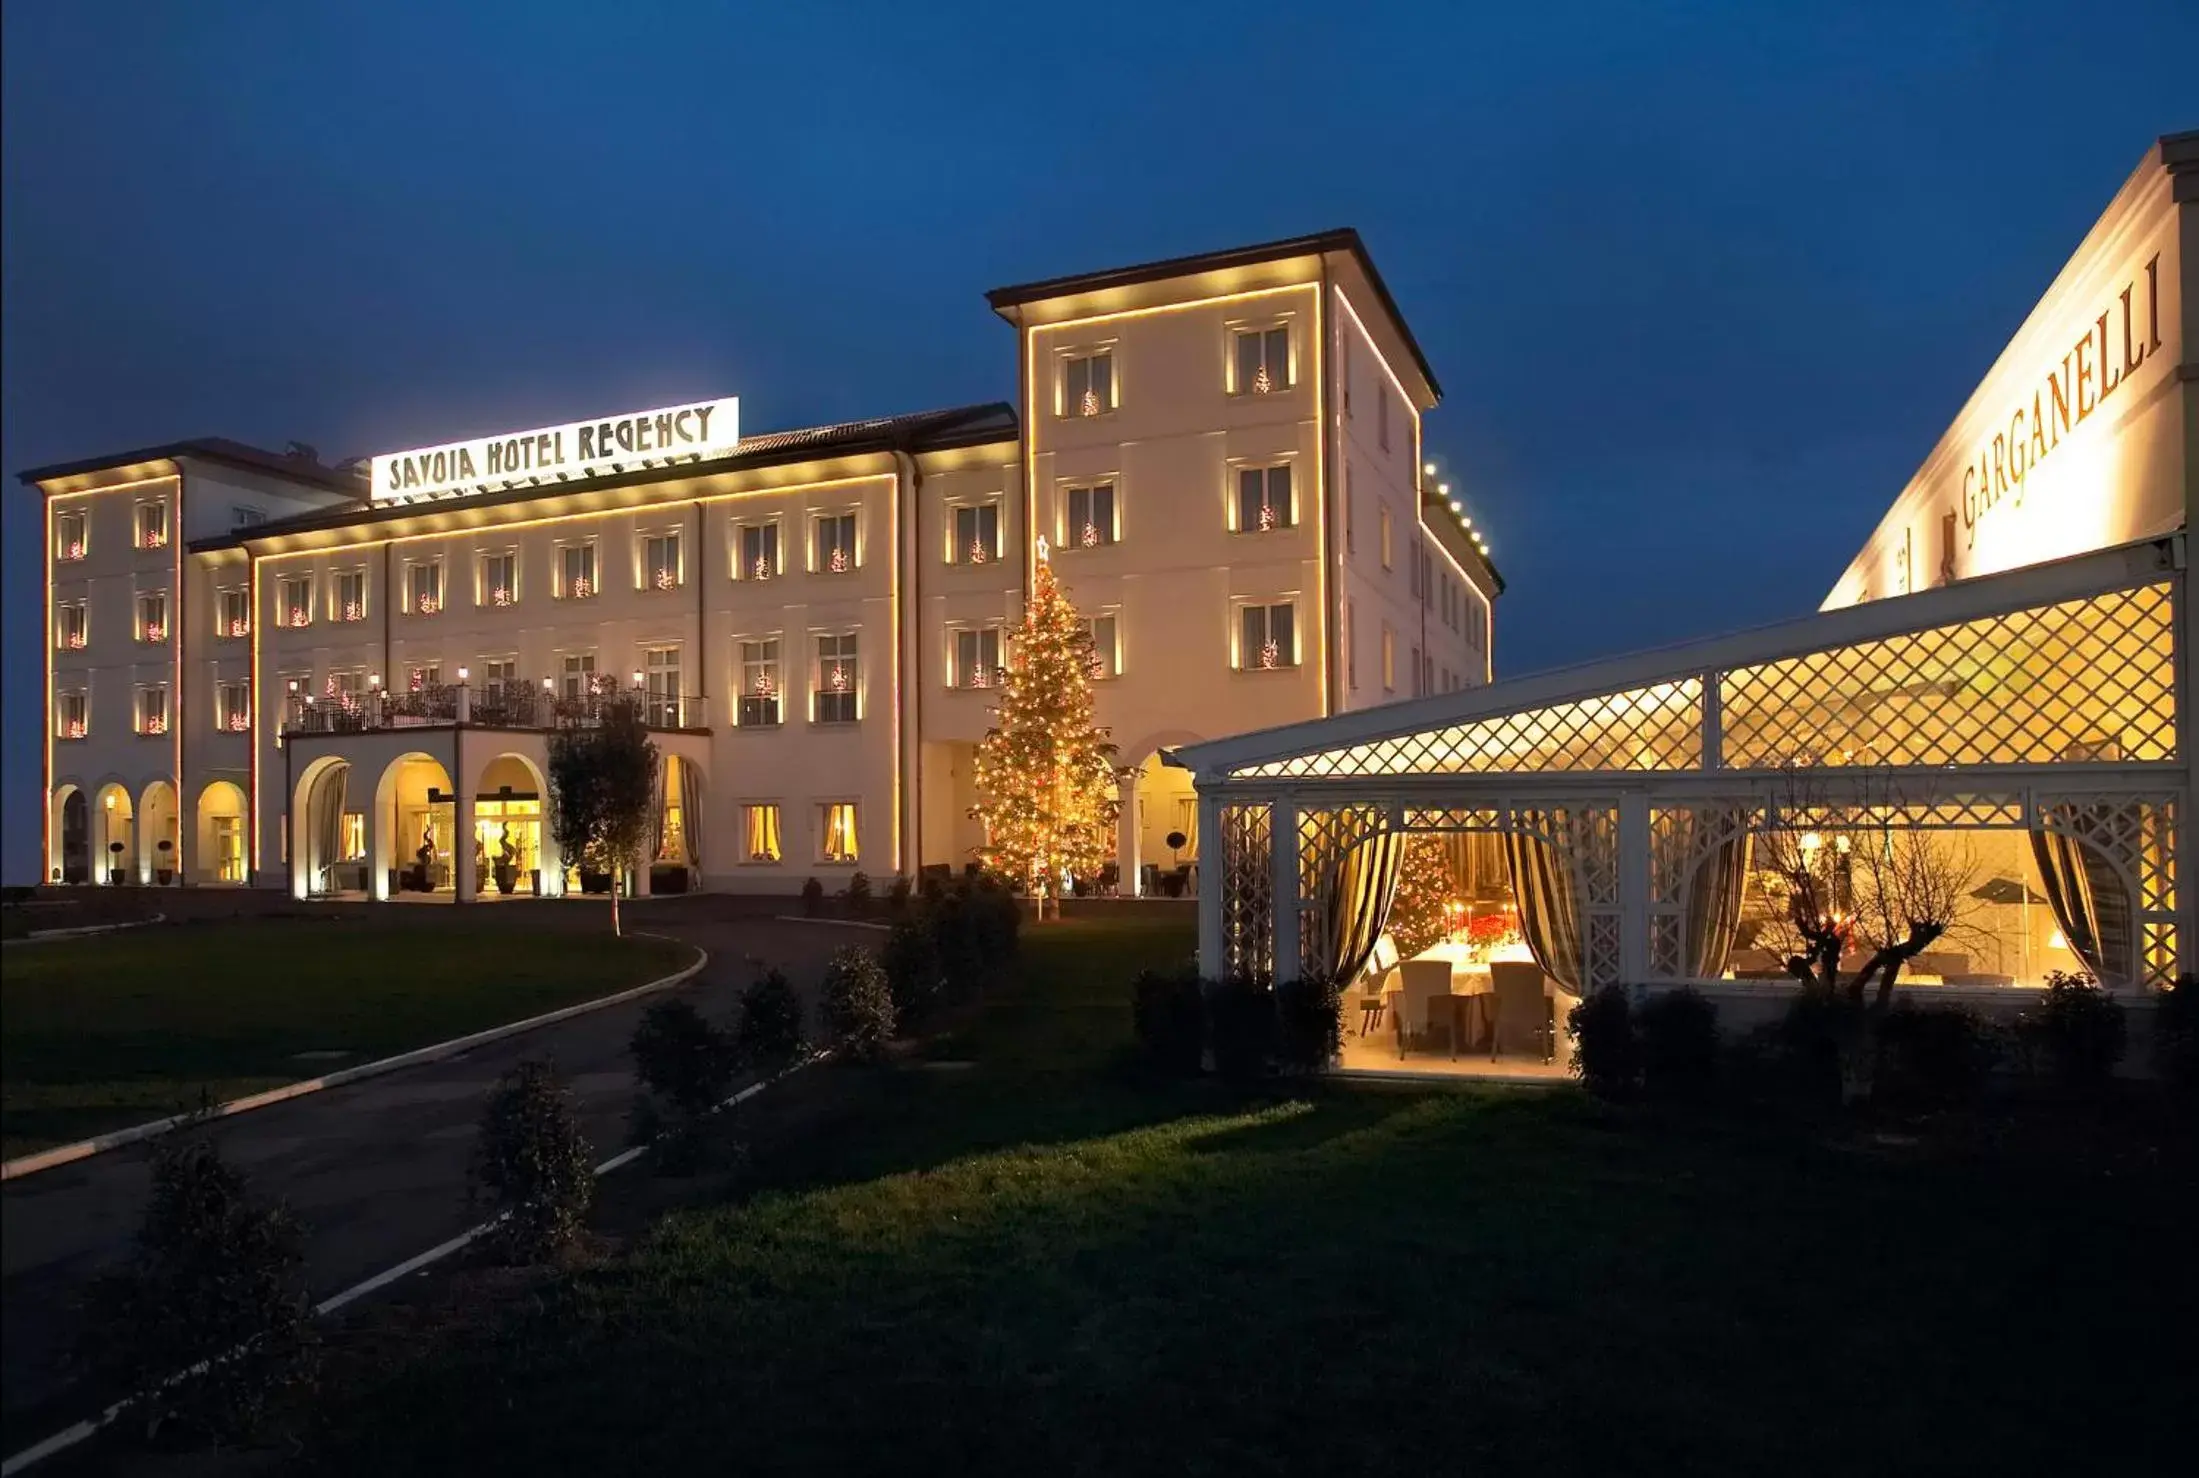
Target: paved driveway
<point>377,1170</point>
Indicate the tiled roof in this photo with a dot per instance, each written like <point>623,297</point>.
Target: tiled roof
<point>213,449</point>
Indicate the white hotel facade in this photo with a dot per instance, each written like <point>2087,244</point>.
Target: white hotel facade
<point>262,671</point>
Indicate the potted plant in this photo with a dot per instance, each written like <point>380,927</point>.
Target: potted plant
<point>114,868</point>
<point>165,873</point>
<point>507,862</point>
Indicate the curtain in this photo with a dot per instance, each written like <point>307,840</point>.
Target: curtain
<point>763,843</point>
<point>2090,902</point>
<point>1549,916</point>
<point>656,813</point>
<point>691,813</point>
<point>840,833</point>
<point>328,819</point>
<point>1355,902</point>
<point>1714,899</point>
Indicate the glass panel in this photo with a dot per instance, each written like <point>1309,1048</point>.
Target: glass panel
<point>1248,362</point>
<point>1251,498</point>
<point>1281,631</point>
<point>1254,636</point>
<point>1278,356</point>
<point>1103,380</point>
<point>1278,495</point>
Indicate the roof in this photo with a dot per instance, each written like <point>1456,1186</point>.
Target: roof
<point>2071,578</point>
<point>1344,239</point>
<point>918,431</point>
<point>212,449</point>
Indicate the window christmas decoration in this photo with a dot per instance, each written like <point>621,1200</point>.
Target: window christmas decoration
<point>837,678</point>
<point>74,641</point>
<point>1090,537</point>
<point>73,729</point>
<point>353,611</point>
<point>666,579</point>
<point>429,605</point>
<point>1267,517</point>
<point>156,723</point>
<point>837,561</point>
<point>765,686</point>
<point>500,597</point>
<point>1271,655</point>
<point>1090,404</point>
<point>582,588</point>
<point>74,549</point>
<point>1261,384</point>
<point>978,552</point>
<point>238,626</point>
<point>1046,775</point>
<point>300,616</point>
<point>763,568</point>
<point>156,631</point>
<point>239,722</point>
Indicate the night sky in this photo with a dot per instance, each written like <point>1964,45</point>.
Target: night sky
<point>1703,282</point>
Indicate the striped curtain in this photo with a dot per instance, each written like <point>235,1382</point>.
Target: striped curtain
<point>328,822</point>
<point>1549,916</point>
<point>691,813</point>
<point>656,812</point>
<point>2090,902</point>
<point>1714,898</point>
<point>1355,902</point>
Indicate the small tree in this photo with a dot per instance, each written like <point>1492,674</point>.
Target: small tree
<point>532,1163</point>
<point>769,1036</point>
<point>1420,914</point>
<point>603,791</point>
<point>858,1004</point>
<point>1046,774</point>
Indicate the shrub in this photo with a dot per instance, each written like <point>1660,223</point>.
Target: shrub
<point>1168,1019</point>
<point>1676,1037</point>
<point>1309,1025</point>
<point>685,1062</point>
<point>2075,1032</point>
<point>2176,1035</point>
<point>1241,1025</point>
<point>1802,1052</point>
<point>1934,1056</point>
<point>813,897</point>
<point>858,1004</point>
<point>1605,1058</point>
<point>213,1277</point>
<point>770,1034</point>
<point>532,1163</point>
<point>911,963</point>
<point>858,895</point>
<point>897,895</point>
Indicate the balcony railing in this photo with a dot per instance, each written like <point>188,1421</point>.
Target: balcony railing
<point>514,704</point>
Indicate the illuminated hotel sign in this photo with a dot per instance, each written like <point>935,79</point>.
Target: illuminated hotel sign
<point>683,433</point>
<point>2125,334</point>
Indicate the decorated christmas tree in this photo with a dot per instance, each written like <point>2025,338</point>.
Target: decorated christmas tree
<point>1046,776</point>
<point>1420,915</point>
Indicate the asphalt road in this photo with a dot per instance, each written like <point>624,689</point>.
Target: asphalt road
<point>377,1169</point>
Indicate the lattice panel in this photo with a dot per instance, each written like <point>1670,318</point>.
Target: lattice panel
<point>1248,915</point>
<point>1666,938</point>
<point>1680,838</point>
<point>2158,941</point>
<point>1600,950</point>
<point>1953,813</point>
<point>1324,838</point>
<point>2138,836</point>
<point>1457,818</point>
<point>1655,728</point>
<point>2084,680</point>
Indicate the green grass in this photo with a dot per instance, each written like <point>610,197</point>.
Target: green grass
<point>108,1031</point>
<point>1039,1265</point>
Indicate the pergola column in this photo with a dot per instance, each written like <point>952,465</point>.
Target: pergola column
<point>1210,870</point>
<point>466,885</point>
<point>1283,887</point>
<point>1128,865</point>
<point>1633,888</point>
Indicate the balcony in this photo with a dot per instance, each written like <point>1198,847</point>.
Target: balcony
<point>493,705</point>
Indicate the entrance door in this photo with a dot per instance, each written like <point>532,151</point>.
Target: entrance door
<point>76,838</point>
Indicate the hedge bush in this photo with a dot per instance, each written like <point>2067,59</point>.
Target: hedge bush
<point>911,962</point>
<point>1676,1042</point>
<point>1934,1056</point>
<point>2075,1033</point>
<point>1605,1056</point>
<point>1240,1018</point>
<point>769,1037</point>
<point>533,1164</point>
<point>858,1004</point>
<point>2176,1036</point>
<point>1168,1019</point>
<point>1309,1025</point>
<point>685,1063</point>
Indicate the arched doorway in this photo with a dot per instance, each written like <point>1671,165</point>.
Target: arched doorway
<point>415,829</point>
<point>327,835</point>
<point>113,831</point>
<point>676,860</point>
<point>1167,809</point>
<point>159,835</point>
<point>219,835</point>
<point>71,860</point>
<point>515,853</point>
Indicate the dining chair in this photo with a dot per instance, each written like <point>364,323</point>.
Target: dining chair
<point>1375,980</point>
<point>1520,998</point>
<point>1424,989</point>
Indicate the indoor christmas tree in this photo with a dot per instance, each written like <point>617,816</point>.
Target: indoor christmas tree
<point>1046,777</point>
<point>1420,915</point>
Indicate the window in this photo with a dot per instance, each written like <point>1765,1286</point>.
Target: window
<point>244,515</point>
<point>976,657</point>
<point>499,582</point>
<point>1476,620</point>
<point>976,534</point>
<point>499,672</point>
<point>1351,514</point>
<point>1427,672</point>
<point>297,601</point>
<point>760,684</point>
<point>1427,567</point>
<point>349,599</point>
<point>1100,631</point>
<point>660,562</point>
<point>577,674</point>
<point>346,685</point>
<point>835,545</point>
<point>70,630</point>
<point>424,675</point>
<point>1343,374</point>
<point>152,525</point>
<point>1263,360</point>
<point>1091,517</point>
<point>1351,646</point>
<point>233,612</point>
<point>233,707</point>
<point>68,715</point>
<point>836,830</point>
<point>424,587</point>
<point>759,552</point>
<point>576,570</point>
<point>1382,416</point>
<point>152,711</point>
<point>1385,530</point>
<point>152,616</point>
<point>68,535</point>
<point>355,835</point>
<point>660,675</point>
<point>1263,499</point>
<point>761,822</point>
<point>1389,659</point>
<point>1270,637</point>
<point>1088,384</point>
<point>838,679</point>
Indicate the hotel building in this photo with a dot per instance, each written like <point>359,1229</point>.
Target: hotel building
<point>1997,692</point>
<point>342,681</point>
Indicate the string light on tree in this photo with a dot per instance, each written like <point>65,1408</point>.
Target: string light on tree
<point>1089,406</point>
<point>1047,782</point>
<point>1261,384</point>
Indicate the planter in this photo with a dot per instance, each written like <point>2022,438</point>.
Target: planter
<point>114,877</point>
<point>164,876</point>
<point>667,878</point>
<point>592,881</point>
<point>507,877</point>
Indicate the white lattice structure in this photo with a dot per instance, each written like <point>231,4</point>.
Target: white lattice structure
<point>2044,701</point>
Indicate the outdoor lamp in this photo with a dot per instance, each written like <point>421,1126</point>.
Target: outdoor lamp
<point>545,685</point>
<point>637,677</point>
<point>375,681</point>
<point>461,674</point>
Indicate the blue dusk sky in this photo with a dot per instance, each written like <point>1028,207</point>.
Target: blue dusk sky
<point>1703,282</point>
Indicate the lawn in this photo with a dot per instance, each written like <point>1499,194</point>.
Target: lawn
<point>1038,1265</point>
<point>108,1031</point>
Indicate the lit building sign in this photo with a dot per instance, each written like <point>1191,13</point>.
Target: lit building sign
<point>683,433</point>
